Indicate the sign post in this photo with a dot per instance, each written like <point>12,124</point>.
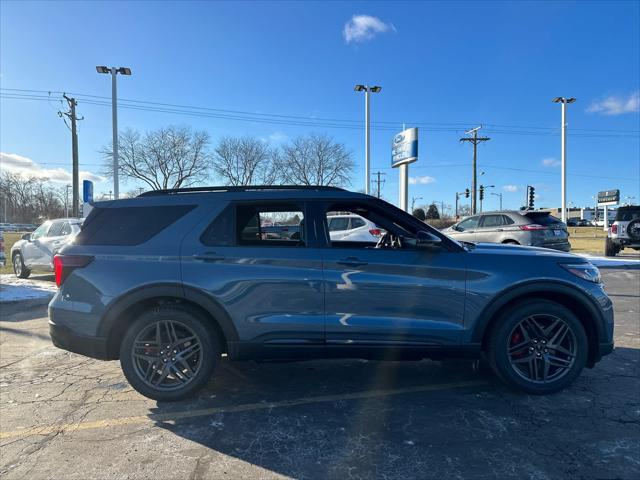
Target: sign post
<point>606,199</point>
<point>404,150</point>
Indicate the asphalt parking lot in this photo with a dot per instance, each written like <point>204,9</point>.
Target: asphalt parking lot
<point>67,416</point>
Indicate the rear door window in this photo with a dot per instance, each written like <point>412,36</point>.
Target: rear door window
<point>56,229</point>
<point>337,224</point>
<point>492,221</point>
<point>276,225</point>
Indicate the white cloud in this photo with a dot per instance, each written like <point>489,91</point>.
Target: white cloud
<point>616,105</point>
<point>10,162</point>
<point>510,188</point>
<point>550,162</point>
<point>364,27</point>
<point>421,180</point>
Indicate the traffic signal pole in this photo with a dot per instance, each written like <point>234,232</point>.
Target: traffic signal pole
<point>474,140</point>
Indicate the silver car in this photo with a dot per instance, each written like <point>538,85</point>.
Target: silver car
<point>536,229</point>
<point>36,250</point>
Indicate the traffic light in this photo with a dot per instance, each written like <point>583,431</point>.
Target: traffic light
<point>467,192</point>
<point>532,196</point>
<point>481,192</point>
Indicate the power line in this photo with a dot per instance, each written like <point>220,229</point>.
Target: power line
<point>296,120</point>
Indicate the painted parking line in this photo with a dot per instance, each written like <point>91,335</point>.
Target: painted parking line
<point>173,416</point>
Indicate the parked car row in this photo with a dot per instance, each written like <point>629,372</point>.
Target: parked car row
<point>17,227</point>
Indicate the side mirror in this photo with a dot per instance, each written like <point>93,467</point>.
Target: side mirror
<point>27,237</point>
<point>426,239</point>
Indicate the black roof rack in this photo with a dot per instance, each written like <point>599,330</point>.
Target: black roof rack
<point>247,188</point>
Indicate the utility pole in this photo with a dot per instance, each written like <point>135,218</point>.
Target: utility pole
<point>378,182</point>
<point>66,200</point>
<point>413,202</point>
<point>475,140</point>
<point>71,115</point>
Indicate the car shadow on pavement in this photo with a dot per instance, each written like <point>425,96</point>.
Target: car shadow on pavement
<point>352,418</point>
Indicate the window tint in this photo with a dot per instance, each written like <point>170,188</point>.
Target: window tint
<point>127,226</point>
<point>56,229</point>
<point>507,220</point>
<point>542,218</point>
<point>468,223</point>
<point>279,225</point>
<point>338,223</point>
<point>41,230</point>
<point>221,231</point>
<point>66,229</point>
<point>357,223</point>
<point>491,221</point>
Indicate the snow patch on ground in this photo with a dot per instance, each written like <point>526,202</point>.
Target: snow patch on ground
<point>611,261</point>
<point>14,289</point>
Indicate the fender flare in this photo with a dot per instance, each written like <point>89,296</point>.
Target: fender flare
<point>175,290</point>
<point>531,288</point>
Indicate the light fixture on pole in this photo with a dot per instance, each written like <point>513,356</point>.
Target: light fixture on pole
<point>367,89</point>
<point>563,147</point>
<point>114,113</point>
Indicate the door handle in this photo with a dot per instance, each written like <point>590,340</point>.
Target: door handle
<point>351,262</point>
<point>208,257</point>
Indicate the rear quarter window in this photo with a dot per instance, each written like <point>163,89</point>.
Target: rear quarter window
<point>126,226</point>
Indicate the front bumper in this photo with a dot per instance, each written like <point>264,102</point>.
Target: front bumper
<point>64,338</point>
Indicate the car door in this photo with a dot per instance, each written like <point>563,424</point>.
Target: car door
<point>377,298</point>
<point>338,227</point>
<point>53,241</point>
<point>466,229</point>
<point>34,253</point>
<point>269,284</point>
<point>490,228</point>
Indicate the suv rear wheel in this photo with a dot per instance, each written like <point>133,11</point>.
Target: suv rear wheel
<point>169,353</point>
<point>539,347</point>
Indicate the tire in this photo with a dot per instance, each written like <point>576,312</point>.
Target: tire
<point>19,268</point>
<point>186,371</point>
<point>517,367</point>
<point>610,248</point>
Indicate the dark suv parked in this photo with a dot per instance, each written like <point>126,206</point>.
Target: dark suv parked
<point>169,281</point>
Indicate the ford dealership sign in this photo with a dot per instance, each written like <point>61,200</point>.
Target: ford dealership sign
<point>404,148</point>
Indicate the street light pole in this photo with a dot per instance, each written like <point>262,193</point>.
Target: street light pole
<point>114,115</point>
<point>563,151</point>
<point>498,195</point>
<point>367,134</point>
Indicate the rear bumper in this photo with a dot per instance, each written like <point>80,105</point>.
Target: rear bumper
<point>562,246</point>
<point>64,338</point>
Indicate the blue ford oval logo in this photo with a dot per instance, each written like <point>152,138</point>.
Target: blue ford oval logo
<point>398,138</point>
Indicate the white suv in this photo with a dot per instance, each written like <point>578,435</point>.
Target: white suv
<point>352,228</point>
<point>625,231</point>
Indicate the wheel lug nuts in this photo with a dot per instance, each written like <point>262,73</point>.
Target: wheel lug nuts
<point>175,351</point>
<point>164,360</point>
<point>173,359</point>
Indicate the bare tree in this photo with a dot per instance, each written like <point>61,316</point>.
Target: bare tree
<point>28,199</point>
<point>169,157</point>
<point>245,161</point>
<point>316,160</point>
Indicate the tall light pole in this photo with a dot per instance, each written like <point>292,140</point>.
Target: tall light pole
<point>498,195</point>
<point>563,147</point>
<point>367,147</point>
<point>114,113</point>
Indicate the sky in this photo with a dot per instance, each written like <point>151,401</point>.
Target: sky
<point>444,67</point>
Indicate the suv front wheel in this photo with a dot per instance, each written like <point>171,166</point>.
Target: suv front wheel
<point>169,353</point>
<point>539,347</point>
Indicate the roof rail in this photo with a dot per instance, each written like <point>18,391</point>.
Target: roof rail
<point>232,188</point>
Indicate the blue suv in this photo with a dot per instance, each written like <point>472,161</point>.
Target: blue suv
<point>170,281</point>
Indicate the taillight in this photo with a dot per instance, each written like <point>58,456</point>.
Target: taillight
<point>532,226</point>
<point>614,228</point>
<point>375,232</point>
<point>63,265</point>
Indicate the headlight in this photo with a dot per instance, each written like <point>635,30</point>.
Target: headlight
<point>586,271</point>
